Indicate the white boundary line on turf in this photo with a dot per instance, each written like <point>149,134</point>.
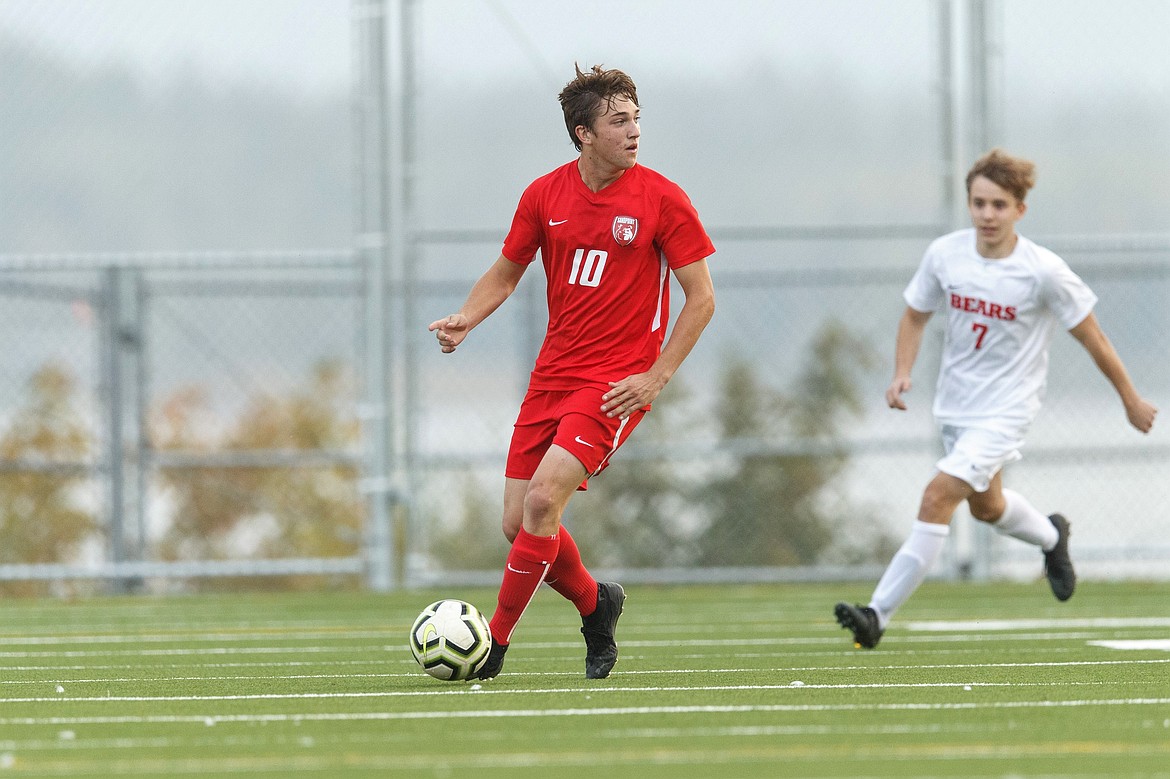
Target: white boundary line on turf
<point>202,638</point>
<point>1134,644</point>
<point>273,631</point>
<point>384,738</point>
<point>829,639</point>
<point>966,686</point>
<point>211,650</point>
<point>414,673</point>
<point>950,626</point>
<point>215,719</point>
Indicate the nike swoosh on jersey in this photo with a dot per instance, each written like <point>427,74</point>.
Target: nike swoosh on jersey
<point>517,570</point>
<point>583,442</point>
<point>551,223</point>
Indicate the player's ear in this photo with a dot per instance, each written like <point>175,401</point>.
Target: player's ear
<point>583,133</point>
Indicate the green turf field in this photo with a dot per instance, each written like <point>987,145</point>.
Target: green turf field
<point>720,681</point>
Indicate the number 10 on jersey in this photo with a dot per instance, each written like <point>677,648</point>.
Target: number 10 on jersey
<point>587,267</point>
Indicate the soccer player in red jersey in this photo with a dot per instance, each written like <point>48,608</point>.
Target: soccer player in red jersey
<point>610,232</point>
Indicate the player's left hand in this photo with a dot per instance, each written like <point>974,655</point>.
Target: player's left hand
<point>630,394</point>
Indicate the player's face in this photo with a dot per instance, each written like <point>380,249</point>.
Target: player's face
<point>613,139</point>
<point>994,213</point>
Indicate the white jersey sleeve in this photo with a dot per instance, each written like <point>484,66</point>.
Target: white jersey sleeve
<point>925,291</point>
<point>1062,291</point>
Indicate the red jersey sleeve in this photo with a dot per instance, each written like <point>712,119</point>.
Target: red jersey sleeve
<point>525,234</point>
<point>681,236</point>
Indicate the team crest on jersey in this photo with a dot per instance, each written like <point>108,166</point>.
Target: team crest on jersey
<point>625,229</point>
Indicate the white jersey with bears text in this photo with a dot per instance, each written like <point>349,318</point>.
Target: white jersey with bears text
<point>1000,318</point>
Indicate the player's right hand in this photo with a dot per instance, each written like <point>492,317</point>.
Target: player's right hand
<point>450,331</point>
<point>894,393</point>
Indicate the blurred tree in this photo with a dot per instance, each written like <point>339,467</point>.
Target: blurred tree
<point>42,518</point>
<point>779,504</point>
<point>264,511</point>
<point>473,541</point>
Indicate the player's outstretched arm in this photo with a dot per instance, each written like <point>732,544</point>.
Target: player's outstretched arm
<point>1140,411</point>
<point>906,345</point>
<point>492,289</point>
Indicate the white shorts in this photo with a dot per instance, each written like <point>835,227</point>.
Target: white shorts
<point>976,454</point>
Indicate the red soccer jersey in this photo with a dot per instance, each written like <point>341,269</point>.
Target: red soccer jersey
<point>606,257</point>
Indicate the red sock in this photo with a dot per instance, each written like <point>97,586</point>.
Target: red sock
<point>528,563</point>
<point>568,576</point>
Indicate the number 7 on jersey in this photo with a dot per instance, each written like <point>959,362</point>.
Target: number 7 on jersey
<point>980,328</point>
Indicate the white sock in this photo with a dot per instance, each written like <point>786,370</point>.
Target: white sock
<point>908,568</point>
<point>1021,520</point>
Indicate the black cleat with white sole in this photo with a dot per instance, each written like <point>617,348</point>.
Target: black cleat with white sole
<point>862,621</point>
<point>1058,565</point>
<point>495,661</point>
<point>601,652</point>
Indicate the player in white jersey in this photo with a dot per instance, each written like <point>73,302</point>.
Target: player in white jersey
<point>1004,297</point>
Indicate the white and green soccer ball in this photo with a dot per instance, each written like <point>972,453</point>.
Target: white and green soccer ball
<point>450,640</point>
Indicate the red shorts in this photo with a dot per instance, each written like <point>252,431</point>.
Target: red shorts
<point>574,421</point>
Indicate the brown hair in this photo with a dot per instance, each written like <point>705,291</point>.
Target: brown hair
<point>1013,174</point>
<point>588,96</point>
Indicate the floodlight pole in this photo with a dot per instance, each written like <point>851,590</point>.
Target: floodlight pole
<point>986,47</point>
<point>971,100</point>
<point>986,54</point>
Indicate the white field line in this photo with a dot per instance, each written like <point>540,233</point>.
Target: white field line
<point>274,631</point>
<point>947,625</point>
<point>832,638</point>
<point>965,686</point>
<point>426,764</point>
<point>571,645</point>
<point>617,711</point>
<point>649,672</point>
<point>1162,644</point>
<point>384,738</point>
<point>174,638</point>
<point>99,634</point>
<point>975,629</point>
<point>334,662</point>
<point>203,651</point>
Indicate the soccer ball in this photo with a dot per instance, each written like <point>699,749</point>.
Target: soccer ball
<point>450,640</point>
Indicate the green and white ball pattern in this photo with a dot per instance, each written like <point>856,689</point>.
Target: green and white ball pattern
<point>450,639</point>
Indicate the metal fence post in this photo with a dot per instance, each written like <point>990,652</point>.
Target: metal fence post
<point>121,372</point>
<point>371,131</point>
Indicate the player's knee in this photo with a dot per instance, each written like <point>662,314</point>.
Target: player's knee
<point>935,507</point>
<point>987,512</point>
<point>938,509</point>
<point>541,510</point>
<point>538,503</point>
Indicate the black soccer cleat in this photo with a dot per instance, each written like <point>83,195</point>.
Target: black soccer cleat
<point>601,652</point>
<point>1058,566</point>
<point>863,621</point>
<point>495,661</point>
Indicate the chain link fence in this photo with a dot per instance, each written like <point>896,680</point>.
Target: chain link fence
<point>197,421</point>
<point>181,415</point>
